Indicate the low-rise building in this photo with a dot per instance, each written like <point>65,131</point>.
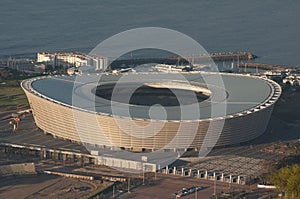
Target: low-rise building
<point>72,59</point>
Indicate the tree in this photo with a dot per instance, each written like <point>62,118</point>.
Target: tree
<point>287,179</point>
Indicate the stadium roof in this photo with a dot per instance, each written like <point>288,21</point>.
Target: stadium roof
<point>244,95</point>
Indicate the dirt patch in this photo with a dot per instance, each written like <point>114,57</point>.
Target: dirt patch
<point>45,186</point>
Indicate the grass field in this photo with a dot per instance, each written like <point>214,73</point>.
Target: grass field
<point>11,95</point>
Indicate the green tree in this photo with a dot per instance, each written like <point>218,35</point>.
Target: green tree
<point>287,179</point>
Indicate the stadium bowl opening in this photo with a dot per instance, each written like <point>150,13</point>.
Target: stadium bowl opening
<point>148,94</point>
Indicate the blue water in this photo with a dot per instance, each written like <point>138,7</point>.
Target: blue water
<point>269,29</point>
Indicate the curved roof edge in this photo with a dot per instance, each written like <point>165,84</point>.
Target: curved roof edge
<point>273,97</point>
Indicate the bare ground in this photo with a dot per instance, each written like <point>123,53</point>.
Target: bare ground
<point>45,186</point>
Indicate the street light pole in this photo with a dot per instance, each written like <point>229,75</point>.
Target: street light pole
<point>215,187</point>
<point>143,159</point>
<point>128,188</point>
<point>143,173</point>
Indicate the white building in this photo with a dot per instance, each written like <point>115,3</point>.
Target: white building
<point>72,59</point>
<point>100,63</point>
<point>20,64</point>
<point>292,80</point>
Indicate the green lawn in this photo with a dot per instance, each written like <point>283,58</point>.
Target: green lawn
<point>11,94</point>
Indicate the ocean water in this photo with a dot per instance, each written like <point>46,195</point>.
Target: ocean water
<point>269,29</point>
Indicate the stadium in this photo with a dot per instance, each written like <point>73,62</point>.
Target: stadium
<point>249,102</point>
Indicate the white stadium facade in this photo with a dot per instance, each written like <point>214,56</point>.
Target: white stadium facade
<point>249,104</point>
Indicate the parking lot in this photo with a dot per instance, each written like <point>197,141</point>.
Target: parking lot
<point>166,186</point>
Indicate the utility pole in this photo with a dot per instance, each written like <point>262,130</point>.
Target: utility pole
<point>143,173</point>
<point>113,192</point>
<point>128,187</point>
<point>215,194</point>
<point>215,181</point>
<point>143,159</point>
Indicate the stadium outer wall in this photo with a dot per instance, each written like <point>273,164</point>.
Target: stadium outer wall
<point>58,119</point>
